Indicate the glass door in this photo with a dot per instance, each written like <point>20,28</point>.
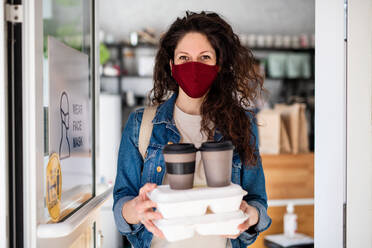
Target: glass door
<point>53,117</point>
<point>68,83</point>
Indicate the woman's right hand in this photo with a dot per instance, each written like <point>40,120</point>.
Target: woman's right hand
<point>139,209</point>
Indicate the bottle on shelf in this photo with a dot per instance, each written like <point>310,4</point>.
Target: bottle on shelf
<point>290,221</point>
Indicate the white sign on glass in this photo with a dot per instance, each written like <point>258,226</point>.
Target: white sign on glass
<point>70,117</point>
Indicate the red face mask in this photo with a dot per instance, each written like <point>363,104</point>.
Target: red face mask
<point>194,78</point>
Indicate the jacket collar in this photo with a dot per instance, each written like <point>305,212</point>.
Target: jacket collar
<point>164,114</point>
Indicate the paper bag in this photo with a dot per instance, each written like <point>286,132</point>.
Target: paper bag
<point>296,125</point>
<point>273,137</point>
<point>303,131</point>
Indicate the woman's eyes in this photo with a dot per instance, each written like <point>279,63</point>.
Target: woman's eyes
<point>185,58</point>
<point>205,57</point>
<point>202,58</point>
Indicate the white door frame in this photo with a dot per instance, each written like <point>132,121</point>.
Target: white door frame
<point>343,124</point>
<point>330,123</point>
<point>32,118</point>
<point>359,124</point>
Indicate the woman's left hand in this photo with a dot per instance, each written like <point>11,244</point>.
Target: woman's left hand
<point>252,219</point>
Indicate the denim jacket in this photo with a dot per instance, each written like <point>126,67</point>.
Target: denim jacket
<point>133,172</point>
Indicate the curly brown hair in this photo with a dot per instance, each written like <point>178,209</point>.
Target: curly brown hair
<point>234,91</point>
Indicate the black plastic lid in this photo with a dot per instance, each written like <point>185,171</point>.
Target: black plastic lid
<point>216,146</point>
<point>179,148</point>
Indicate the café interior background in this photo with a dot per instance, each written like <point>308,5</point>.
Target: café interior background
<point>129,33</point>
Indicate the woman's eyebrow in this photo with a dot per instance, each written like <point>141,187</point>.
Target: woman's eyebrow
<point>182,52</point>
<point>207,51</point>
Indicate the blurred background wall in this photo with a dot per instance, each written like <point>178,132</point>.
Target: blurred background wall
<point>120,17</point>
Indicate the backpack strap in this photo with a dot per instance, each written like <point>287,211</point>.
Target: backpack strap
<point>146,129</point>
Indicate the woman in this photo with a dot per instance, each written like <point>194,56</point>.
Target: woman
<point>212,83</point>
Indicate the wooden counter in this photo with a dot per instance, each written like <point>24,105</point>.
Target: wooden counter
<point>289,176</point>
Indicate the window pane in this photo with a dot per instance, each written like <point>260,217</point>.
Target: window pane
<point>67,98</point>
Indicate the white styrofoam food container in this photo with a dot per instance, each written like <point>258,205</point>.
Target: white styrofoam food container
<point>209,224</point>
<point>194,202</point>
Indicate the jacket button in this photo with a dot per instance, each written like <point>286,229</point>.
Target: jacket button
<point>170,142</point>
<point>158,169</point>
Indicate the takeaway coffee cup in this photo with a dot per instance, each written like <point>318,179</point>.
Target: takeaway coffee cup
<point>180,165</point>
<point>217,160</point>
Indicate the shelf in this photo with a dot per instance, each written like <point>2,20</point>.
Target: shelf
<point>254,49</point>
<point>108,76</point>
<point>266,78</point>
<point>290,79</point>
<point>288,155</point>
<point>121,45</point>
<point>140,86</point>
<point>127,76</point>
<point>136,76</point>
<point>279,49</point>
<point>283,49</point>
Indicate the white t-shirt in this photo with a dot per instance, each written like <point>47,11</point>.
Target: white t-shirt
<point>189,128</point>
